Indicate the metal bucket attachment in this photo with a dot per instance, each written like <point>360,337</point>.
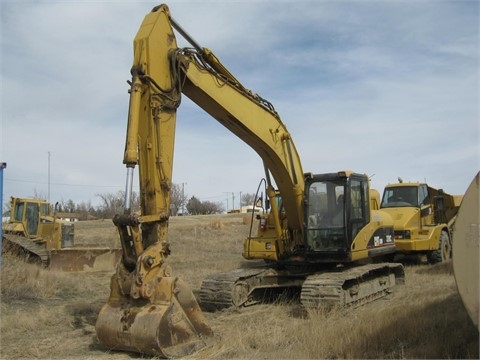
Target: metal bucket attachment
<point>174,327</point>
<point>84,259</point>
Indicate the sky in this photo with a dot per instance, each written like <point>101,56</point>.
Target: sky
<point>385,88</point>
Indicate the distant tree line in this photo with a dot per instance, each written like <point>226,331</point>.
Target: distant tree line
<point>197,207</point>
<point>113,203</point>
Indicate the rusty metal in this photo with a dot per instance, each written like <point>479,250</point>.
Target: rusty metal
<point>84,259</point>
<point>171,324</point>
<point>66,259</point>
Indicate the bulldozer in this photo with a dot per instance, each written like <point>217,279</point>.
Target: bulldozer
<point>424,218</point>
<point>319,238</point>
<point>35,232</point>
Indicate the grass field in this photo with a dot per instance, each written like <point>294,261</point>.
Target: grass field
<point>51,315</point>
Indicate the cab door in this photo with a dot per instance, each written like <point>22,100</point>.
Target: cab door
<point>32,216</point>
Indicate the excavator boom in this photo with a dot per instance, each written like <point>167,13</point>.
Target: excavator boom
<point>161,72</point>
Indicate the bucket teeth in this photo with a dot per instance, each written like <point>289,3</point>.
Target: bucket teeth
<point>174,328</point>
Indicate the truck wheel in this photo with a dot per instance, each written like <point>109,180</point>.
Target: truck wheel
<point>444,251</point>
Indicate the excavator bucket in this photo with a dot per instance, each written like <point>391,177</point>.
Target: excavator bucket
<point>84,259</point>
<point>173,326</point>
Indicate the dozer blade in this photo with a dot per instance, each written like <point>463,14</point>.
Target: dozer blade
<point>84,259</point>
<point>174,327</point>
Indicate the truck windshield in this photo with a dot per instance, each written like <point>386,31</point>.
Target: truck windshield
<point>400,196</point>
<point>326,216</point>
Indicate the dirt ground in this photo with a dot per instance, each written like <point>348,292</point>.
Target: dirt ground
<point>51,315</point>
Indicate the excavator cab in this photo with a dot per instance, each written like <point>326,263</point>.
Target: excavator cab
<point>325,216</point>
<point>337,208</point>
<point>337,214</point>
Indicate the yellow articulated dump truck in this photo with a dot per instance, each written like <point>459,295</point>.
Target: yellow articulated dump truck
<point>36,233</point>
<point>423,219</point>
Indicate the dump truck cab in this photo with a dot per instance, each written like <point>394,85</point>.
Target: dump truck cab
<point>423,219</point>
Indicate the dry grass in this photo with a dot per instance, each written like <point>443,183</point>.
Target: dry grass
<point>21,281</point>
<point>47,314</point>
<point>421,320</point>
<point>96,233</point>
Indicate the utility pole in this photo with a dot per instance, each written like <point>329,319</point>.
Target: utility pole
<point>183,198</point>
<point>48,191</point>
<point>227,193</point>
<point>3,165</point>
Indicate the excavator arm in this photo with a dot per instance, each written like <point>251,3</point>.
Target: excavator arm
<point>150,311</point>
<point>253,120</point>
<point>160,74</point>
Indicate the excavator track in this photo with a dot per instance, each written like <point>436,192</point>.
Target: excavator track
<point>20,245</point>
<point>344,287</point>
<point>217,290</point>
<point>351,287</point>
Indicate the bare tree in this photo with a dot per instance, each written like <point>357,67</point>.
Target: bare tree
<point>209,207</point>
<point>39,195</point>
<point>68,206</point>
<point>112,204</point>
<point>197,207</point>
<point>178,199</point>
<point>7,207</point>
<point>247,199</point>
<point>84,209</point>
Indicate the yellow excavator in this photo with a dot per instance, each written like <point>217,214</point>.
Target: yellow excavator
<point>320,237</point>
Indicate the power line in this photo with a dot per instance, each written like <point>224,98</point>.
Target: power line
<point>61,184</point>
<point>211,197</point>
